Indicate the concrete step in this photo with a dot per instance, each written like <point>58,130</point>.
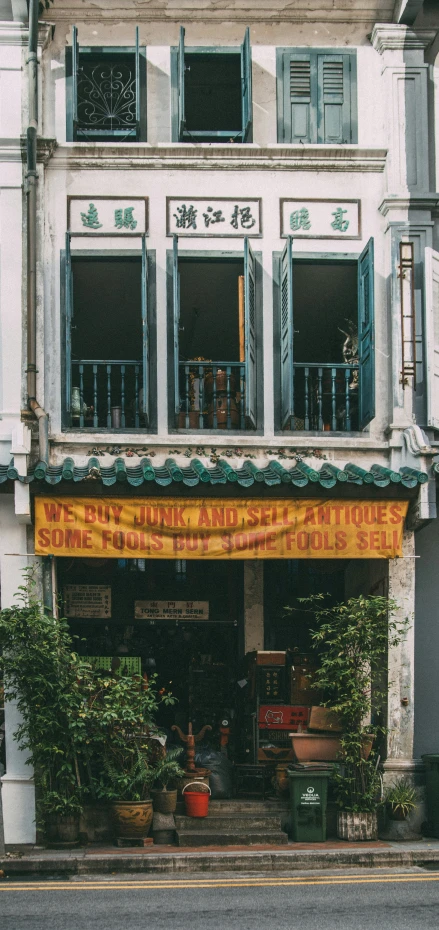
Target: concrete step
<point>203,838</point>
<point>244,806</point>
<point>230,823</point>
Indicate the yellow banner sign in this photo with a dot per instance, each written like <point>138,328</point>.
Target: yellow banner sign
<point>218,529</point>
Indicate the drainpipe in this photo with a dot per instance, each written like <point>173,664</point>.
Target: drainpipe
<point>31,196</point>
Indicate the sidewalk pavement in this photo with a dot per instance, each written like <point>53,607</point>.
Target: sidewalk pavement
<point>334,854</point>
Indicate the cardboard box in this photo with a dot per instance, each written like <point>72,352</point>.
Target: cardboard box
<point>275,754</point>
<point>322,718</point>
<point>270,658</point>
<point>301,684</point>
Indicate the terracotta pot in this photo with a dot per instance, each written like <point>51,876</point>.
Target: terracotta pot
<point>131,819</point>
<point>316,747</point>
<point>281,782</point>
<point>221,412</point>
<point>164,802</point>
<point>221,383</point>
<point>62,832</point>
<point>357,827</point>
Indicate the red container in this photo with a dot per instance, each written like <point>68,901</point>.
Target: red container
<point>283,716</point>
<point>196,802</point>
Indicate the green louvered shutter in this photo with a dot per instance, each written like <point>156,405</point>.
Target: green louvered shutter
<point>246,85</point>
<point>68,323</point>
<point>366,337</point>
<point>180,76</point>
<point>334,99</point>
<point>176,314</point>
<point>145,332</point>
<point>75,65</point>
<point>300,97</point>
<point>286,334</point>
<point>250,332</point>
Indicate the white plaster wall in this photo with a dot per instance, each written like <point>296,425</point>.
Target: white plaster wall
<point>427,640</point>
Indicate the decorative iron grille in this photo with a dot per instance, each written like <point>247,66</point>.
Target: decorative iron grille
<point>106,98</point>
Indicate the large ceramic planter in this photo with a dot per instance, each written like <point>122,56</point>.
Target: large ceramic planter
<point>62,832</point>
<point>357,827</point>
<point>131,819</point>
<point>316,747</point>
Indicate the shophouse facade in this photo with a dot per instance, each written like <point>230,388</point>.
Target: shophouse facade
<point>235,340</point>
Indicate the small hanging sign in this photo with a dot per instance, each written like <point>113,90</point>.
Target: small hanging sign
<point>107,216</point>
<point>92,601</point>
<point>218,216</point>
<point>320,219</point>
<point>171,610</point>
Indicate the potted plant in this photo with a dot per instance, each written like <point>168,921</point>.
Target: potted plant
<point>166,770</point>
<point>352,639</point>
<point>123,755</point>
<point>41,670</point>
<point>400,800</point>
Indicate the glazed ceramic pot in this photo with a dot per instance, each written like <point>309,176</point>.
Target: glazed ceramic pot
<point>164,802</point>
<point>131,819</point>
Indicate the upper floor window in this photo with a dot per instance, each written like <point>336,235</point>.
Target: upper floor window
<point>106,93</point>
<point>317,96</point>
<point>212,93</point>
<point>326,337</point>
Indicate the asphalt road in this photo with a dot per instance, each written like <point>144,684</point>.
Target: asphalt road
<point>366,900</point>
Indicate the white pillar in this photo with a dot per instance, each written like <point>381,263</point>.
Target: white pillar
<point>18,792</point>
<point>400,708</point>
<point>253,605</point>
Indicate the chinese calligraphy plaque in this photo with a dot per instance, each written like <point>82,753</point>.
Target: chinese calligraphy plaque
<point>320,219</point>
<point>107,216</point>
<point>215,216</point>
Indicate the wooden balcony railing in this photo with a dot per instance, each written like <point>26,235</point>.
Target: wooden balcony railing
<point>212,395</point>
<point>106,394</point>
<point>325,397</point>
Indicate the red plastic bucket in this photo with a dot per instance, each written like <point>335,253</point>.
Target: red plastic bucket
<point>196,802</point>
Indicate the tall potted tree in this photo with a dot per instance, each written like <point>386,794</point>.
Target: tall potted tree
<point>352,639</point>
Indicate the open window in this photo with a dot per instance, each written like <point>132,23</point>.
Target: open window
<point>212,93</point>
<point>106,341</point>
<point>327,342</point>
<point>106,92</point>
<point>317,96</point>
<point>214,316</point>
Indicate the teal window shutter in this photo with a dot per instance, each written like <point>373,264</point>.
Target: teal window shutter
<point>75,60</point>
<point>432,334</point>
<point>334,99</point>
<point>366,337</point>
<point>287,333</point>
<point>145,333</point>
<point>68,322</point>
<point>176,314</point>
<point>300,96</point>
<point>246,83</point>
<point>318,91</point>
<point>250,332</point>
<point>180,75</point>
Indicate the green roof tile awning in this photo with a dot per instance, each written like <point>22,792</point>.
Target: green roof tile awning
<point>144,473</point>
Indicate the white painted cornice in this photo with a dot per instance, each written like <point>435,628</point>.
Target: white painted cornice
<point>408,202</point>
<point>177,156</point>
<point>13,33</point>
<point>399,38</point>
<point>10,150</point>
<point>208,11</point>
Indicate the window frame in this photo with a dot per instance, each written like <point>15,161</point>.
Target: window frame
<point>354,258</point>
<point>149,326</point>
<point>175,81</point>
<point>196,255</point>
<point>110,51</point>
<point>282,76</point>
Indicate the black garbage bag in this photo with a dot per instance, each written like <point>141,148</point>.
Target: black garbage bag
<point>220,779</point>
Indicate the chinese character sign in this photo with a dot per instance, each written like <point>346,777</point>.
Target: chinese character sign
<point>224,216</point>
<point>321,219</point>
<point>108,216</point>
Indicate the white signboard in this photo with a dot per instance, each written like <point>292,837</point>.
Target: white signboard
<point>87,600</point>
<point>171,610</point>
<point>107,216</point>
<point>219,216</point>
<point>320,219</point>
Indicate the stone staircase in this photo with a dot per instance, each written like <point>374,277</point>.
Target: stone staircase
<point>237,822</point>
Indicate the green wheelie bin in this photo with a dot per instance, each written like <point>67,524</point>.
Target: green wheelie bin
<point>431,762</point>
<point>308,794</point>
